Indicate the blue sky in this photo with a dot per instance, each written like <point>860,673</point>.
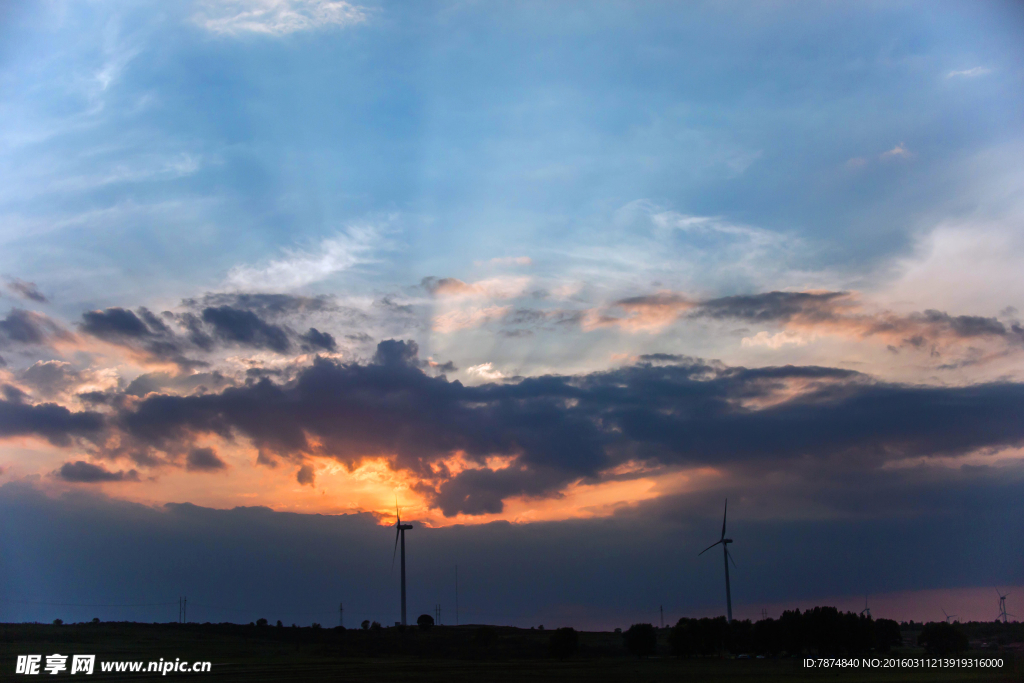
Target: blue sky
<point>619,243</point>
<point>152,154</point>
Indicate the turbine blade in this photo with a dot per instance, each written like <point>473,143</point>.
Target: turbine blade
<point>708,548</point>
<point>724,516</point>
<point>730,558</point>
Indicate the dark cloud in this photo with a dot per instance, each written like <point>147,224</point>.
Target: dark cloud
<point>838,311</point>
<point>148,333</point>
<point>445,285</point>
<point>265,305</point>
<point>28,327</point>
<point>26,290</point>
<point>246,328</point>
<point>772,306</point>
<point>305,476</point>
<point>51,377</point>
<point>447,366</point>
<point>560,429</point>
<point>658,299</point>
<point>389,304</point>
<point>391,352</point>
<point>186,383</point>
<point>203,460</point>
<point>665,358</point>
<point>114,323</point>
<point>142,331</point>
<point>540,318</point>
<point>315,339</point>
<point>965,325</point>
<point>50,421</point>
<point>196,334</point>
<point>101,398</point>
<point>13,393</point>
<point>86,473</point>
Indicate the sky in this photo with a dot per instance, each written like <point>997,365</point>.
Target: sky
<point>556,279</point>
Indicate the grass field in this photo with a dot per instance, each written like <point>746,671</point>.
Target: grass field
<point>443,654</point>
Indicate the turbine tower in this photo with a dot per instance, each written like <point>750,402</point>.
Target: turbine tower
<point>725,547</point>
<point>1002,607</point>
<point>400,530</point>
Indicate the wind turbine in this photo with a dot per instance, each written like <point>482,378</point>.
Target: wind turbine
<point>725,547</point>
<point>400,530</point>
<point>867,610</point>
<point>949,617</point>
<point>1002,607</point>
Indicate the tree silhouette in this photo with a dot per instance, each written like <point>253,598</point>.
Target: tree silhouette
<point>424,621</point>
<point>365,624</point>
<point>887,634</point>
<point>261,622</point>
<point>641,640</point>
<point>563,642</point>
<point>942,639</point>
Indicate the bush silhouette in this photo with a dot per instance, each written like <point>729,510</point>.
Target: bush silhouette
<point>641,640</point>
<point>563,642</point>
<point>424,621</point>
<point>261,622</point>
<point>365,624</point>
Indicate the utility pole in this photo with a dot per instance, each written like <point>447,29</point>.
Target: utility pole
<point>341,614</point>
<point>184,610</point>
<point>456,595</point>
<point>437,614</point>
<point>661,608</point>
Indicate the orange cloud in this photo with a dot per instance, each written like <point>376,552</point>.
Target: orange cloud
<point>648,313</point>
<point>492,288</point>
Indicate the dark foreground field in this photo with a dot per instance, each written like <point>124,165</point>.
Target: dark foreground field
<point>442,654</point>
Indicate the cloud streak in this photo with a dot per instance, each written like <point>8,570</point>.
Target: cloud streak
<point>298,267</point>
<point>804,316</point>
<point>276,17</point>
